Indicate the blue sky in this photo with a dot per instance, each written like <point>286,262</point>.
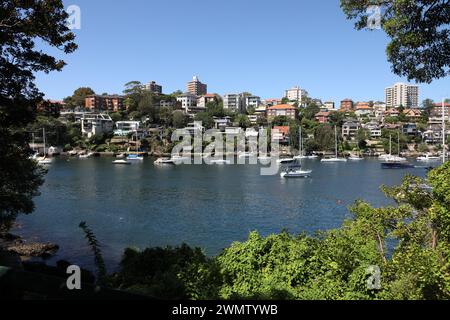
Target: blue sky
<point>260,46</point>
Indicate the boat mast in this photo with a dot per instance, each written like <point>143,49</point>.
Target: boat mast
<point>390,144</point>
<point>45,142</point>
<point>336,139</point>
<point>399,142</point>
<point>444,149</point>
<point>301,142</point>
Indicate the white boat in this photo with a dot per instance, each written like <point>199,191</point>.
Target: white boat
<point>135,157</point>
<point>86,156</point>
<point>355,158</point>
<point>285,160</point>
<point>121,162</point>
<point>120,156</point>
<point>164,161</point>
<point>44,160</point>
<point>312,156</point>
<point>336,158</point>
<point>296,173</point>
<point>220,162</point>
<point>428,157</point>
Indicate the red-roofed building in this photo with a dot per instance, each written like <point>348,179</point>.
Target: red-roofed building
<point>280,133</point>
<point>282,110</point>
<point>206,98</point>
<point>323,116</point>
<point>346,105</point>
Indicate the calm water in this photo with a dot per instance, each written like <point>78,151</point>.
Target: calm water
<point>207,206</point>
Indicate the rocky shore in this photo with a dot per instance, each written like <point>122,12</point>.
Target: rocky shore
<point>16,245</point>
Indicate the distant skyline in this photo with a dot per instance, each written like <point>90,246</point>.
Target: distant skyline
<point>232,46</point>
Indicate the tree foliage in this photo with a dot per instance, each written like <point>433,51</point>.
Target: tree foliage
<point>419,32</point>
<point>22,25</point>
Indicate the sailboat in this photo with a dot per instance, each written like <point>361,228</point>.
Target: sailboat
<point>336,158</point>
<point>395,162</point>
<point>301,153</point>
<point>44,160</point>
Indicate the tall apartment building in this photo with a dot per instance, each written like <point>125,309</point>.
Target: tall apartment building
<point>233,102</point>
<point>152,86</point>
<point>197,88</point>
<point>112,103</point>
<point>296,94</point>
<point>347,105</point>
<point>402,94</point>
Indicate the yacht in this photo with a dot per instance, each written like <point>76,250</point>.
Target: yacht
<point>121,162</point>
<point>355,158</point>
<point>164,161</point>
<point>301,155</point>
<point>428,157</point>
<point>295,172</point>
<point>44,160</point>
<point>336,158</point>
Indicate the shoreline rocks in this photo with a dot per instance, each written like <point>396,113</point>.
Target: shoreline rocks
<point>14,244</point>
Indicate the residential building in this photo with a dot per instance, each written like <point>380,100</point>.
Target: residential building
<point>350,128</point>
<point>112,103</point>
<point>51,107</point>
<point>346,105</point>
<point>272,102</point>
<point>195,127</point>
<point>296,94</point>
<point>153,87</point>
<point>253,118</point>
<point>413,114</point>
<point>379,108</point>
<point>323,116</point>
<point>95,124</point>
<point>374,129</point>
<point>392,112</point>
<point>436,113</point>
<point>167,103</point>
<point>203,100</point>
<point>261,111</point>
<point>329,105</point>
<point>196,88</point>
<point>233,102</point>
<point>409,129</point>
<point>252,102</point>
<point>124,128</point>
<point>188,101</point>
<point>402,94</point>
<point>282,110</point>
<point>363,109</point>
<point>280,134</point>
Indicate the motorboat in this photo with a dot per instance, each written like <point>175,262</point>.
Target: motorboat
<point>164,161</point>
<point>285,160</point>
<point>121,162</point>
<point>135,157</point>
<point>355,158</point>
<point>296,173</point>
<point>428,157</point>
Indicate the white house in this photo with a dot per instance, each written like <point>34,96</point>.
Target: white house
<point>95,124</point>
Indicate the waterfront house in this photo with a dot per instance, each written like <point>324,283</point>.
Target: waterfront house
<point>374,129</point>
<point>95,124</point>
<point>392,112</point>
<point>124,128</point>
<point>409,129</point>
<point>280,134</point>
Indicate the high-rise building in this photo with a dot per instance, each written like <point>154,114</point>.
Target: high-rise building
<point>196,87</point>
<point>402,94</point>
<point>346,105</point>
<point>296,94</point>
<point>152,86</point>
